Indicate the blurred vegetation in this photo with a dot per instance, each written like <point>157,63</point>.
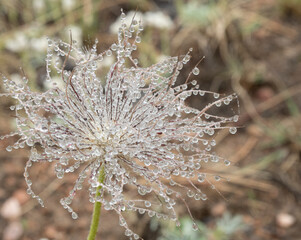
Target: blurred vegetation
<point>290,8</point>
<point>223,229</point>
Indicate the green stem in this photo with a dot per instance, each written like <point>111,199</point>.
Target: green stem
<point>97,207</point>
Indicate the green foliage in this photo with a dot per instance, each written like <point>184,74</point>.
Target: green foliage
<point>199,14</point>
<point>224,229</point>
<point>184,232</point>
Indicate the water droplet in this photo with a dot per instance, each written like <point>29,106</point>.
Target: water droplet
<point>227,162</point>
<point>196,71</point>
<point>147,203</point>
<point>122,16</point>
<point>235,118</point>
<point>232,130</point>
<point>204,197</point>
<point>194,227</point>
<point>41,202</point>
<point>201,177</point>
<point>128,233</point>
<point>190,193</point>
<point>218,104</point>
<point>216,95</point>
<point>29,191</point>
<point>29,142</point>
<point>60,174</point>
<point>151,213</point>
<point>217,178</point>
<point>138,39</point>
<point>141,210</point>
<point>74,215</point>
<point>114,47</point>
<point>9,149</point>
<point>197,196</point>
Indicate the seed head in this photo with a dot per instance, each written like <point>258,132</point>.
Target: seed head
<point>136,125</point>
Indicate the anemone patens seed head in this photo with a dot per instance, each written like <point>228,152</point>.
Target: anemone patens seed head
<point>136,125</point>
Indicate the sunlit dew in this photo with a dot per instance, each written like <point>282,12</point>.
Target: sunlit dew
<point>136,124</point>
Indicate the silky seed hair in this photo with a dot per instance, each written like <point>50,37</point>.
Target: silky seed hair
<point>154,147</point>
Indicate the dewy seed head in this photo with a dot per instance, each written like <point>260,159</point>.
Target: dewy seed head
<point>137,125</point>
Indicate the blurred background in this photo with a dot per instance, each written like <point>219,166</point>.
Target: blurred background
<point>251,47</point>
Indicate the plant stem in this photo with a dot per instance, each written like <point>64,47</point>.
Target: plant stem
<point>97,207</point>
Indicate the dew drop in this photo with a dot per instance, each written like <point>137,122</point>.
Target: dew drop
<point>114,47</point>
<point>151,213</point>
<point>232,130</point>
<point>197,196</point>
<point>194,82</point>
<point>227,162</point>
<point>128,233</point>
<point>41,202</point>
<point>204,197</point>
<point>141,210</point>
<point>138,39</point>
<point>74,215</point>
<point>147,203</point>
<point>190,193</point>
<point>235,118</point>
<point>216,95</point>
<point>123,16</point>
<point>9,149</point>
<point>217,178</point>
<point>218,104</point>
<point>194,227</point>
<point>29,142</point>
<point>196,71</point>
<point>201,177</point>
<point>60,174</point>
